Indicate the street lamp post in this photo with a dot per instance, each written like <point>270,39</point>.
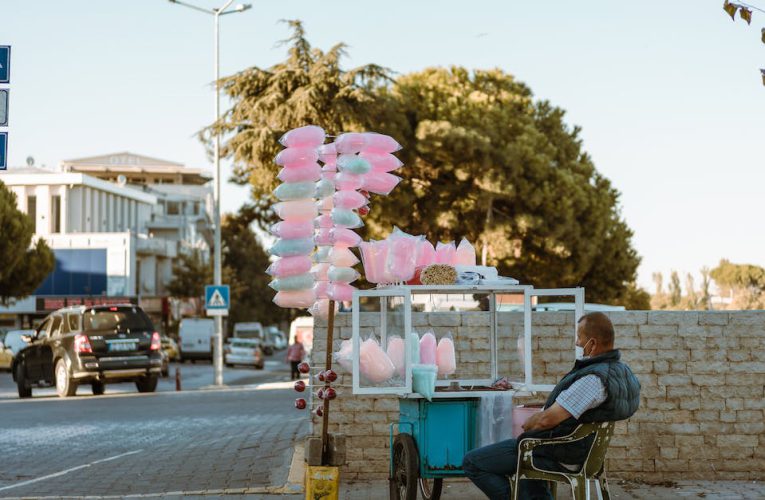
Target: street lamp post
<point>217,267</point>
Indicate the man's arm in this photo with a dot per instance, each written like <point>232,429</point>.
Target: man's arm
<point>546,419</point>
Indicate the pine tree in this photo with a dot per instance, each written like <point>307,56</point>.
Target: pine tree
<point>25,264</point>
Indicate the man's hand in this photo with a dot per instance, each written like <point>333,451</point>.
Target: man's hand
<point>546,419</point>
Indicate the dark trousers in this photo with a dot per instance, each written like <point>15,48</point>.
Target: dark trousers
<point>295,372</point>
<point>491,467</point>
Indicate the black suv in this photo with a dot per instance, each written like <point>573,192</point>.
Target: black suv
<point>90,345</point>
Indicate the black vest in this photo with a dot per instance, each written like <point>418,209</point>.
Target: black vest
<point>622,401</point>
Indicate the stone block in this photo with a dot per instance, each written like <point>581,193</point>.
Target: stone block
<point>509,318</point>
<point>690,403</point>
<point>445,319</point>
<point>749,416</point>
<point>552,318</point>
<point>673,354</point>
<point>708,380</point>
<point>666,453</point>
<point>629,318</point>
<point>749,427</point>
<point>734,403</point>
<point>312,450</point>
<point>419,319</point>
<point>689,318</point>
<point>709,355</point>
<point>674,380</point>
<point>706,415</point>
<point>695,367</point>
<point>677,465</point>
<point>749,367</point>
<point>476,319</point>
<point>743,379</point>
<point>745,331</point>
<point>369,319</point>
<point>660,342</point>
<point>756,318</point>
<point>739,440</point>
<point>657,330</point>
<point>687,428</point>
<point>713,318</point>
<point>738,355</point>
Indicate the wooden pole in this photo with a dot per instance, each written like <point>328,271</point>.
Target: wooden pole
<point>328,366</point>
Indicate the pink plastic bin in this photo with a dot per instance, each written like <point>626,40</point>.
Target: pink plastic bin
<point>521,414</point>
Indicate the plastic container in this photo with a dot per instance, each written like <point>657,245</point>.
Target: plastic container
<point>521,414</point>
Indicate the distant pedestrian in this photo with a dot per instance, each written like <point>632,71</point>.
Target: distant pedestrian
<point>295,354</point>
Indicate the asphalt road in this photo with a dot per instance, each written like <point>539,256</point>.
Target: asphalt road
<point>239,439</point>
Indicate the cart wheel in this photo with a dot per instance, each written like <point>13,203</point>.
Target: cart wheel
<point>431,490</point>
<point>403,484</point>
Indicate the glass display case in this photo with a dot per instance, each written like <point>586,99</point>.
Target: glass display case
<point>491,328</point>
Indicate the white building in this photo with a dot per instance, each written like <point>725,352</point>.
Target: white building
<point>115,224</point>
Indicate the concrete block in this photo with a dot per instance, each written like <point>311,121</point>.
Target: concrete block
<point>749,416</point>
<point>747,318</point>
<point>445,319</point>
<point>657,330</point>
<point>749,427</point>
<point>628,318</point>
<point>476,319</point>
<point>684,318</point>
<point>313,450</point>
<point>749,367</point>
<point>713,318</point>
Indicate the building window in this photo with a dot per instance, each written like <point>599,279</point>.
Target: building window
<point>55,211</point>
<point>32,209</point>
<point>173,208</point>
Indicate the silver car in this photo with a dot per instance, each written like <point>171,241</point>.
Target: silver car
<point>244,352</point>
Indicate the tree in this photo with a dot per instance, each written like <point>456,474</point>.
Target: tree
<point>309,87</point>
<point>486,161</point>
<point>244,261</point>
<point>25,265</point>
<point>705,298</point>
<point>745,282</point>
<point>483,160</point>
<point>675,290</point>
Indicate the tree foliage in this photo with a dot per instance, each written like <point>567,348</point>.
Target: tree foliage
<point>244,261</point>
<point>483,160</point>
<point>25,265</point>
<point>744,282</point>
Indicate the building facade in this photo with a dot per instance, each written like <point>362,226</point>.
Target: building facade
<point>115,223</point>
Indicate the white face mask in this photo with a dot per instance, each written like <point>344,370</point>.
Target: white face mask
<point>580,351</point>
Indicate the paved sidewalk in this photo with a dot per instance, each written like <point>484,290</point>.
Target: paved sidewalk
<point>457,489</point>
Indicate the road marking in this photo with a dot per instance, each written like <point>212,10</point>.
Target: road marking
<point>67,471</point>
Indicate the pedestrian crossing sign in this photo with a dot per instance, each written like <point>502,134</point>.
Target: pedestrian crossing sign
<point>217,300</point>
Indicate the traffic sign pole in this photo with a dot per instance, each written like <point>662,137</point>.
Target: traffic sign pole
<point>217,302</point>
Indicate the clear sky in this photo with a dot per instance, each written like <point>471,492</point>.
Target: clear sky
<point>668,94</point>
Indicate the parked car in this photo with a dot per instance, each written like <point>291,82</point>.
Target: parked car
<point>170,347</point>
<point>244,352</point>
<point>276,338</point>
<point>6,357</point>
<point>90,345</point>
<point>253,330</point>
<point>196,337</point>
<point>169,353</point>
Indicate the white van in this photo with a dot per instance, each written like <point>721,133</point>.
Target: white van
<point>196,338</point>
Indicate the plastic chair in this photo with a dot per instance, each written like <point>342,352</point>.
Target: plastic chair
<point>592,469</point>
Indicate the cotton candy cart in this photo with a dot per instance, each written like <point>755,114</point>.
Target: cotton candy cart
<point>430,439</point>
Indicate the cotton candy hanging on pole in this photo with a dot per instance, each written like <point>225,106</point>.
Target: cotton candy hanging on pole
<point>325,189</point>
<point>292,275</point>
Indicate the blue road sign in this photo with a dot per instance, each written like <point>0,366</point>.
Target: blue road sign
<point>5,63</point>
<point>217,300</point>
<point>3,107</point>
<point>3,150</point>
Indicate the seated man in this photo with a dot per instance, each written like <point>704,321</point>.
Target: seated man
<point>599,388</point>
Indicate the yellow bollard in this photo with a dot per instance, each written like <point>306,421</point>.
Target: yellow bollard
<point>321,482</point>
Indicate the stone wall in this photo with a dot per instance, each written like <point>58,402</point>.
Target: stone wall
<point>702,398</point>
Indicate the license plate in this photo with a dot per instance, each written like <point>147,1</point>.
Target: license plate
<point>121,346</point>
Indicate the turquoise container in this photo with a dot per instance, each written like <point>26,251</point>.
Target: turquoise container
<point>444,431</point>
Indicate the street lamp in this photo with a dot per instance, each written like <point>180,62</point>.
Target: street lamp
<point>218,278</point>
